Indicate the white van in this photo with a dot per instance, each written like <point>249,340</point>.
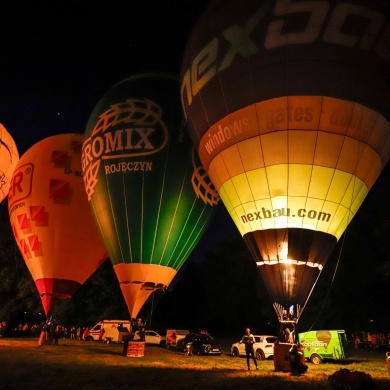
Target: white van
<point>111,327</point>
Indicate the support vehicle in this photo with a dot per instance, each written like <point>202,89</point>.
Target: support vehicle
<point>114,330</point>
<point>151,337</point>
<point>263,347</point>
<point>319,345</point>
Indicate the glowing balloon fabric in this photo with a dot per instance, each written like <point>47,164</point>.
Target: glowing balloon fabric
<point>286,103</point>
<point>51,218</point>
<point>139,164</point>
<point>9,157</point>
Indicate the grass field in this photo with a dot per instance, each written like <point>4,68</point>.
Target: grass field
<point>24,364</point>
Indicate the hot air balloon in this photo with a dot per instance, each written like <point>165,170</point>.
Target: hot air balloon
<point>150,196</point>
<point>9,157</point>
<point>287,105</point>
<point>51,219</point>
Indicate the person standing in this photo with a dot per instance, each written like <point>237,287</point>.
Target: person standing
<point>78,333</point>
<point>142,333</point>
<point>289,335</point>
<point>248,339</point>
<point>101,334</point>
<point>57,334</point>
<point>86,333</point>
<point>297,365</point>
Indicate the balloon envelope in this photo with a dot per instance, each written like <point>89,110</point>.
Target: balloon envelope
<point>9,157</point>
<point>287,106</point>
<point>139,171</point>
<point>51,218</point>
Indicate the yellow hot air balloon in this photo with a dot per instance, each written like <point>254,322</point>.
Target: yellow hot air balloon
<point>287,104</point>
<point>51,219</point>
<point>9,157</point>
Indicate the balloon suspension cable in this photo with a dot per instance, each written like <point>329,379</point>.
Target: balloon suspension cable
<point>331,284</point>
<point>153,301</point>
<point>311,291</point>
<point>151,311</point>
<point>338,258</point>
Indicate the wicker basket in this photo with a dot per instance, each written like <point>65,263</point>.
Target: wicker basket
<point>135,349</point>
<point>281,358</point>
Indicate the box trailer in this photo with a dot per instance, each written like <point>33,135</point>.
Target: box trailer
<point>173,336</point>
<point>319,345</point>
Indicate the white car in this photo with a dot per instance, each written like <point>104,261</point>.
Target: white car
<point>264,347</point>
<point>151,337</point>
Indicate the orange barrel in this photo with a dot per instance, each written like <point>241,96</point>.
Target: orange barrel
<point>135,349</point>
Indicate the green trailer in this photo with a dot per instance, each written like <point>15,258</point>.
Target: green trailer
<point>319,345</point>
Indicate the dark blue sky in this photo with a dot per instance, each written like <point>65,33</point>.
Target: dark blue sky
<point>58,62</point>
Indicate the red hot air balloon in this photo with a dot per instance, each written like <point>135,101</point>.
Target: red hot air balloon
<point>51,219</point>
<point>9,157</point>
<point>287,104</point>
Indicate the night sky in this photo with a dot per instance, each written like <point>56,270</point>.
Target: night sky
<point>58,62</point>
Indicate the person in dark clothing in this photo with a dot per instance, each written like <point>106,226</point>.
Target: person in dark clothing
<point>248,339</point>
<point>126,339</point>
<point>142,334</point>
<point>296,361</point>
<point>57,334</point>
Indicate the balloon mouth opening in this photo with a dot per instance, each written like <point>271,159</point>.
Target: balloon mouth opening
<point>54,295</point>
<point>290,262</point>
<point>147,286</point>
<point>152,286</point>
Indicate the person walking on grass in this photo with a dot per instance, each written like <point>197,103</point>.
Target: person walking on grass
<point>248,339</point>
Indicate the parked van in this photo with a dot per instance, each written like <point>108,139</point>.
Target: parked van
<point>113,329</point>
<point>319,345</point>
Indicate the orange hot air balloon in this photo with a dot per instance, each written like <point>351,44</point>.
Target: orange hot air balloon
<point>51,219</point>
<point>9,157</point>
<point>287,104</point>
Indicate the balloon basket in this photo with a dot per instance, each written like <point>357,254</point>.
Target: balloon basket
<point>135,349</point>
<point>281,357</point>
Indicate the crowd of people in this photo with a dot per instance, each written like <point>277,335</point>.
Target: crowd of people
<point>21,330</point>
<point>53,332</point>
<point>372,341</point>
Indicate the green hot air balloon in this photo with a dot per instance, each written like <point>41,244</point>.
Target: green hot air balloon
<point>150,196</point>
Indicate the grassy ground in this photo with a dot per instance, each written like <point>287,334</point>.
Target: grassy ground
<point>93,366</point>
